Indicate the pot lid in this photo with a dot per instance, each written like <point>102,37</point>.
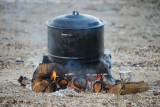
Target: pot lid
<point>75,21</point>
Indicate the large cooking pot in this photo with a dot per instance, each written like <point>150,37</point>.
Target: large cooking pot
<point>77,37</point>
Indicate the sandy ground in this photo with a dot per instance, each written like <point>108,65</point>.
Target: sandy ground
<point>132,35</point>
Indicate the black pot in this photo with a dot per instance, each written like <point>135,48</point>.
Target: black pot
<point>76,37</point>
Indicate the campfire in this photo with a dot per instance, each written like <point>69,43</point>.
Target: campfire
<point>50,77</point>
<point>47,78</point>
<point>76,58</point>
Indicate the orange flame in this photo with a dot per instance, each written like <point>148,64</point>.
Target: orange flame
<point>54,75</point>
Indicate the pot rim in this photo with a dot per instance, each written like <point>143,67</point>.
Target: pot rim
<point>74,58</point>
<point>102,24</point>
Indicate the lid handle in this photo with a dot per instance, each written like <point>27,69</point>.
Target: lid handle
<point>75,13</point>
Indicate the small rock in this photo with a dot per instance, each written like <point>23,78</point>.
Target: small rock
<point>19,59</point>
<point>24,80</point>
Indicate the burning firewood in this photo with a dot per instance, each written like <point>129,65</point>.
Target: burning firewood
<point>129,88</point>
<point>46,79</point>
<point>79,83</point>
<point>40,86</point>
<point>51,88</point>
<point>106,84</point>
<point>44,68</point>
<point>44,86</point>
<point>75,88</point>
<point>41,73</point>
<point>97,86</point>
<point>60,81</point>
<point>36,80</point>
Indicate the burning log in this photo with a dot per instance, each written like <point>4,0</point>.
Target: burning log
<point>43,69</point>
<point>41,73</point>
<point>106,83</point>
<point>106,86</point>
<point>51,88</point>
<point>36,80</point>
<point>79,83</point>
<point>129,88</point>
<point>41,79</point>
<point>46,79</point>
<point>40,86</point>
<point>44,86</point>
<point>60,81</point>
<point>75,88</point>
<point>97,86</point>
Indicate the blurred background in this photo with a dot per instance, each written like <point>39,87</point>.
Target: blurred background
<point>132,35</point>
<point>22,21</point>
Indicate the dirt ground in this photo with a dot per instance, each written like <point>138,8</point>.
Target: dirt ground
<point>132,34</point>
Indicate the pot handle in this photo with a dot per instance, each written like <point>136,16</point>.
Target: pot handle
<point>75,13</point>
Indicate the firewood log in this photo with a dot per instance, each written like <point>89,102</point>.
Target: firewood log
<point>132,88</point>
<point>36,80</point>
<point>115,89</point>
<point>106,86</point>
<point>128,88</point>
<point>75,88</point>
<point>40,86</point>
<point>80,82</point>
<point>51,88</point>
<point>97,86</point>
<point>62,82</point>
<point>44,69</point>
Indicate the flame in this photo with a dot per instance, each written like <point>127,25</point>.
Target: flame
<point>54,75</point>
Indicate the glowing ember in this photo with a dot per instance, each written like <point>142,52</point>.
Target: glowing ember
<point>99,77</point>
<point>64,82</point>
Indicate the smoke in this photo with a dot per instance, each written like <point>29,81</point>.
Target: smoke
<point>77,68</point>
<point>74,66</point>
<point>107,60</point>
